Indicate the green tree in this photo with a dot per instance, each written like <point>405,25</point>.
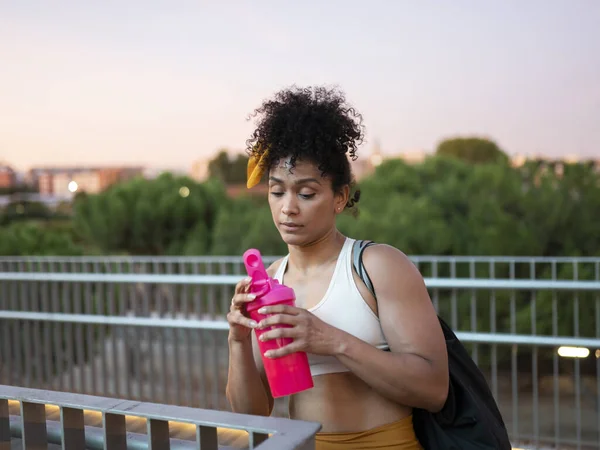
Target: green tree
<point>562,204</point>
<point>472,149</point>
<point>246,223</point>
<point>38,239</point>
<point>18,189</point>
<point>24,210</point>
<point>165,216</point>
<point>444,206</point>
<point>229,170</point>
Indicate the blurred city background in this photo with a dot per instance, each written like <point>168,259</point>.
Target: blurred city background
<point>124,211</point>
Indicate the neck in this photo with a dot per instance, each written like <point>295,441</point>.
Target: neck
<point>317,253</point>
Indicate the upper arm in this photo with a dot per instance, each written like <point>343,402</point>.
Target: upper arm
<point>407,315</point>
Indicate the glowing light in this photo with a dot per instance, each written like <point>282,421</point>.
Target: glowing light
<point>598,354</point>
<point>376,159</point>
<point>72,187</point>
<point>573,352</point>
<point>184,191</point>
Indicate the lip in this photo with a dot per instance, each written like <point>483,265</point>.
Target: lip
<point>290,226</point>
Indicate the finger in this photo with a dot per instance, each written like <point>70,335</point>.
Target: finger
<point>243,285</point>
<point>283,351</point>
<point>278,319</point>
<point>279,333</point>
<point>280,309</point>
<point>239,319</point>
<point>241,299</point>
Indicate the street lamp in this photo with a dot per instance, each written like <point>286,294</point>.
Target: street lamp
<point>573,352</point>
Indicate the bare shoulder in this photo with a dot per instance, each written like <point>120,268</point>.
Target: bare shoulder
<point>396,279</point>
<point>385,262</point>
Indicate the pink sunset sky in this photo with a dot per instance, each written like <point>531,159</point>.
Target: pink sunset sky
<point>163,83</point>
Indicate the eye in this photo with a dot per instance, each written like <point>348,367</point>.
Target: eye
<point>307,196</point>
<point>277,194</point>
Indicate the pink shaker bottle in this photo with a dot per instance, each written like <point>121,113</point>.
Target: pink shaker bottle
<point>291,373</point>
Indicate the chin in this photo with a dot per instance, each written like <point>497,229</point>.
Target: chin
<point>293,239</point>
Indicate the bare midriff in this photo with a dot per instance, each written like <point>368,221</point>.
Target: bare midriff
<point>343,403</point>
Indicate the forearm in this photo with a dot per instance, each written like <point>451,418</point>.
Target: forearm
<point>245,390</point>
<point>405,378</point>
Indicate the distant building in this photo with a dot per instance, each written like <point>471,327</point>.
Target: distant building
<point>413,156</point>
<point>518,160</point>
<point>366,163</point>
<point>66,181</point>
<point>199,171</point>
<point>8,177</point>
<point>544,164</point>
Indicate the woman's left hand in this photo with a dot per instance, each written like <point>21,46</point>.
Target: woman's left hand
<point>309,333</point>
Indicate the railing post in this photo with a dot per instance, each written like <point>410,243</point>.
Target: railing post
<point>73,428</point>
<point>4,425</point>
<point>206,438</point>
<point>257,438</point>
<point>115,432</point>
<point>35,435</point>
<point>158,435</point>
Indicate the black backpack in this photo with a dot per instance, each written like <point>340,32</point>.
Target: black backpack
<point>470,418</point>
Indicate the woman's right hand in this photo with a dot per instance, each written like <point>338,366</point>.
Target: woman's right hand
<point>240,325</point>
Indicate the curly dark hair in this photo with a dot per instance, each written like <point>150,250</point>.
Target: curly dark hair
<point>312,124</point>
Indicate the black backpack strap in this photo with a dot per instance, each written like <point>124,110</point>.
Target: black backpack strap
<point>357,263</point>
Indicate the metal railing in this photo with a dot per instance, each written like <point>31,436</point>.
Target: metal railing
<point>39,418</point>
<point>153,329</point>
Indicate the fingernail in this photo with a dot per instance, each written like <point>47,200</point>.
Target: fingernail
<point>251,296</point>
<point>262,310</point>
<point>248,279</point>
<point>268,353</point>
<point>253,324</point>
<point>262,337</point>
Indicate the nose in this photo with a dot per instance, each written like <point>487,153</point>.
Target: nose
<point>290,205</point>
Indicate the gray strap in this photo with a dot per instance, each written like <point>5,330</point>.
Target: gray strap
<point>357,262</point>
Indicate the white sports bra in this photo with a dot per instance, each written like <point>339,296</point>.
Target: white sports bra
<point>343,307</point>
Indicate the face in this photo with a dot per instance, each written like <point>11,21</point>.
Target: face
<point>303,204</point>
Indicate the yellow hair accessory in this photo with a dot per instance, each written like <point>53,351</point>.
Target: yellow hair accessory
<point>256,169</point>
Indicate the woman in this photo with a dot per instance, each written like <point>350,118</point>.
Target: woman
<point>363,394</point>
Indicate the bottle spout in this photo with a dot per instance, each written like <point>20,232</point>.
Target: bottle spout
<point>256,270</point>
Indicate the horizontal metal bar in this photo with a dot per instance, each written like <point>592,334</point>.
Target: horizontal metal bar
<point>271,258</point>
<point>508,284</point>
<point>433,283</point>
<point>120,278</point>
<point>523,339</point>
<point>503,259</point>
<point>132,259</point>
<point>155,322</point>
<point>222,325</point>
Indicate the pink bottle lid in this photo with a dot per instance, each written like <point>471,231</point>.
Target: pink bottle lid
<point>268,290</point>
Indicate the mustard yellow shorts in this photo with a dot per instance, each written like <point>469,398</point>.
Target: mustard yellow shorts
<point>398,435</point>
